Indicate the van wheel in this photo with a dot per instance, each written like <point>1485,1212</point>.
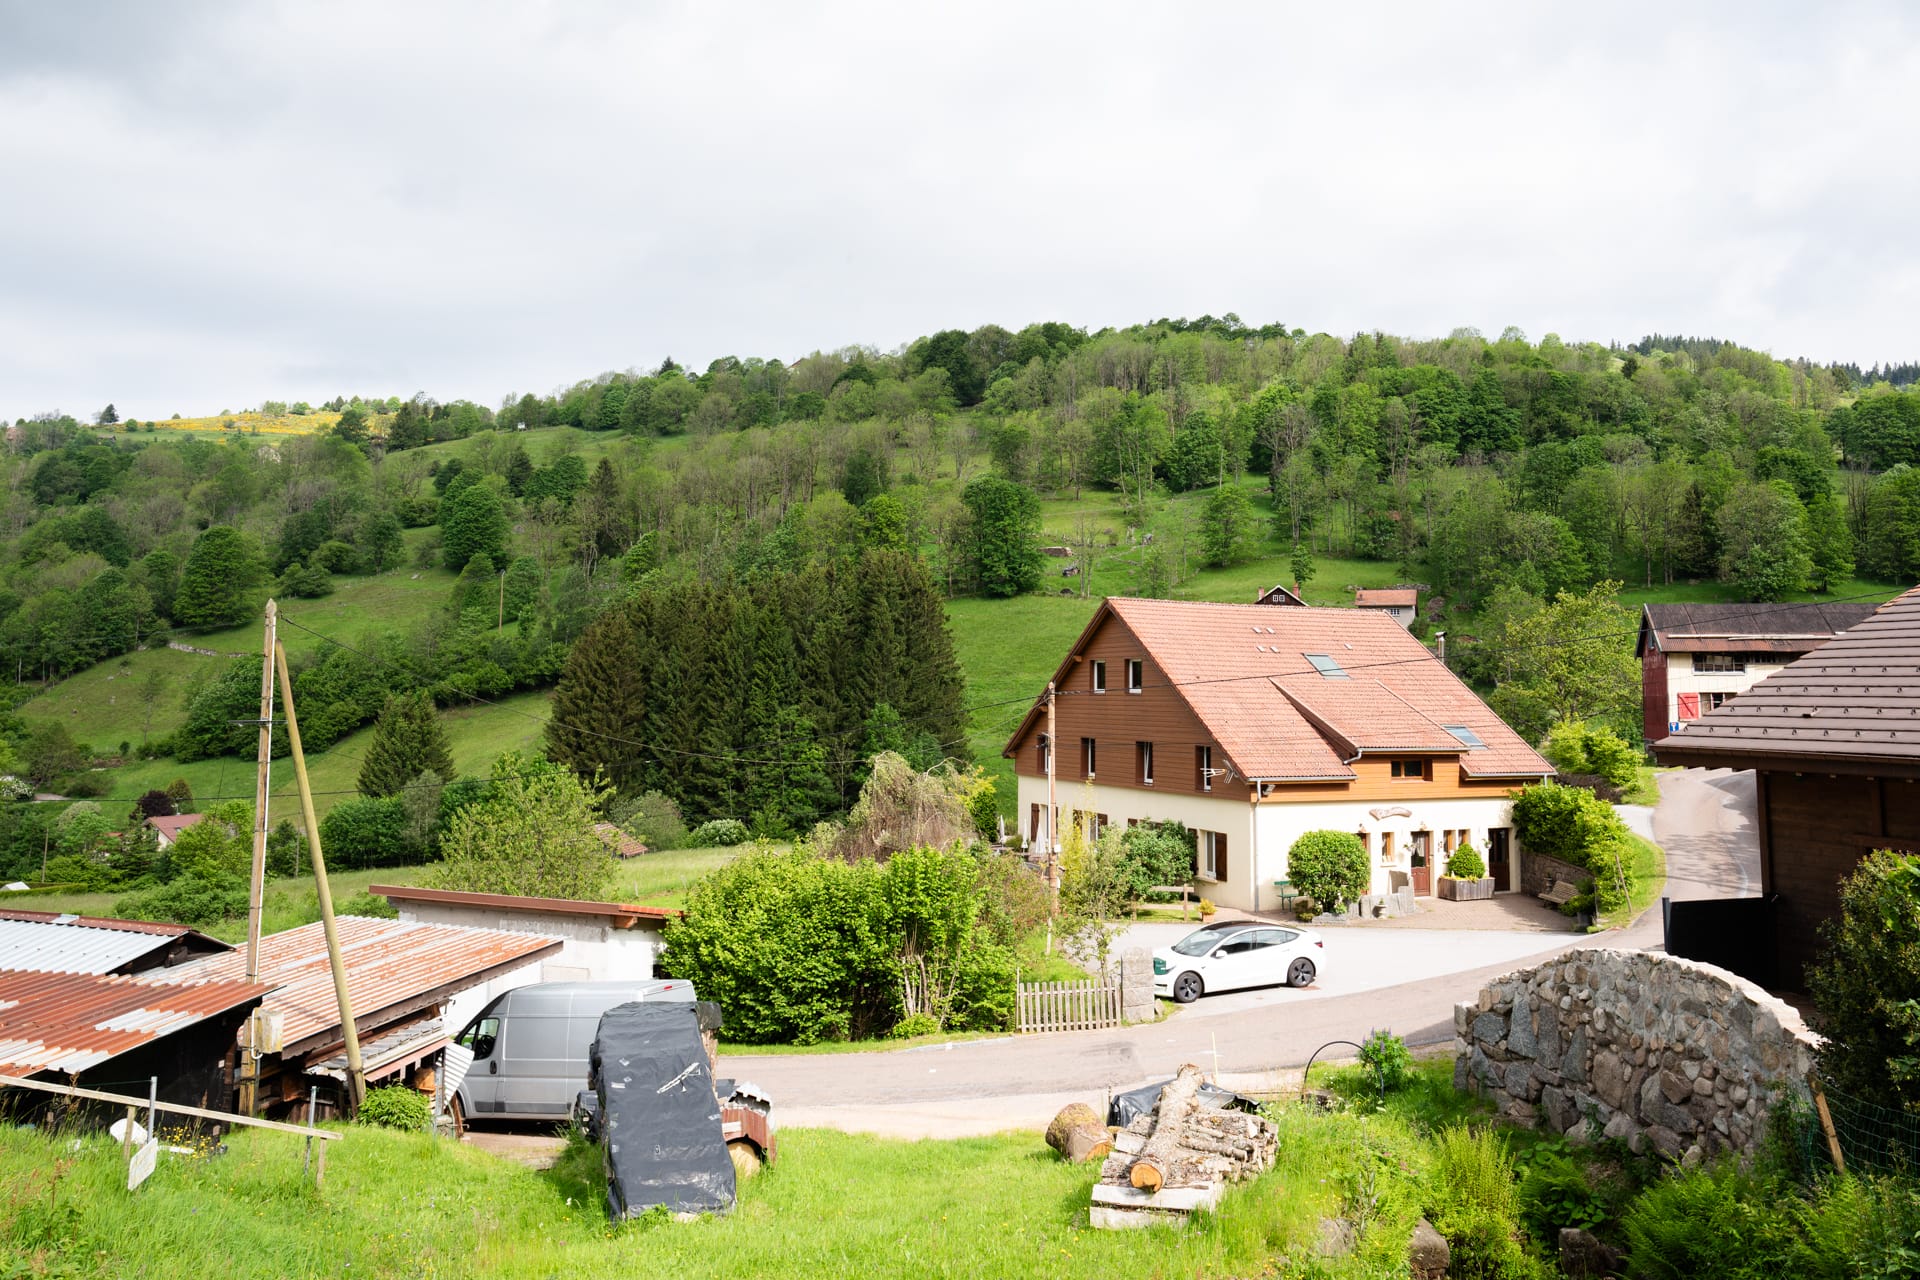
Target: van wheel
<point>454,1119</point>
<point>746,1158</point>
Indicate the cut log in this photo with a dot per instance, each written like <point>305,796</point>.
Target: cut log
<point>1154,1165</point>
<point>1077,1134</point>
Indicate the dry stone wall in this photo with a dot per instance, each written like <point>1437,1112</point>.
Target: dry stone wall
<point>1668,1055</point>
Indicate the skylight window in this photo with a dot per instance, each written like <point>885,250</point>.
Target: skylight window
<point>1326,666</point>
<point>1468,738</point>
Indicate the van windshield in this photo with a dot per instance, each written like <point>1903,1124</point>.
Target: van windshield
<point>1201,941</point>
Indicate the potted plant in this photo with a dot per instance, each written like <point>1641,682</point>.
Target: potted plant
<point>1206,909</point>
<point>1466,879</point>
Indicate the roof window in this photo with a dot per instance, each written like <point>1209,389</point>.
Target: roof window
<point>1468,738</point>
<point>1326,666</point>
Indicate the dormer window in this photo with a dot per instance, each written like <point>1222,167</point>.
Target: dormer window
<point>1098,674</point>
<point>1136,674</point>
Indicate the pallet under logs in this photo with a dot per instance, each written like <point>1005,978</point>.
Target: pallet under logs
<point>1179,1158</point>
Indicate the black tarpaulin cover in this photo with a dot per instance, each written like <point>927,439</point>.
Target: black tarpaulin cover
<point>658,1113</point>
<point>1127,1107</point>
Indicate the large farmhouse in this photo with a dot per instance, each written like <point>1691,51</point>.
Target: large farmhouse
<point>1834,740</point>
<point>1695,658</point>
<point>1253,725</point>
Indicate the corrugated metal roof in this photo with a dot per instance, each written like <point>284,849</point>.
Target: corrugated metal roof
<point>392,965</point>
<point>1747,628</point>
<point>1855,698</point>
<point>41,942</point>
<point>623,915</point>
<point>70,1022</point>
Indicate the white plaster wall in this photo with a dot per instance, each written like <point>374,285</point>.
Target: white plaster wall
<point>1229,812</point>
<point>1281,824</point>
<point>1682,678</point>
<point>591,951</point>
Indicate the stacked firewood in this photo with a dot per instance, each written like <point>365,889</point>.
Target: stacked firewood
<point>1186,1143</point>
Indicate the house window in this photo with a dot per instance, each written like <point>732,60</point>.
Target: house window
<point>1086,755</point>
<point>1714,701</point>
<point>1136,674</point>
<point>1386,848</point>
<point>1326,666</point>
<point>1044,749</point>
<point>1098,676</point>
<point>1213,855</point>
<point>1203,768</point>
<point>1718,662</point>
<point>1143,759</point>
<point>1410,769</point>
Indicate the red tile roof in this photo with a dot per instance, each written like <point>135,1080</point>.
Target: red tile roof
<point>1855,698</point>
<point>1244,670</point>
<point>172,824</point>
<point>69,1022</point>
<point>394,967</point>
<point>1386,598</point>
<point>621,844</point>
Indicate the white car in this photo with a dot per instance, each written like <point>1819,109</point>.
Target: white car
<point>1241,953</point>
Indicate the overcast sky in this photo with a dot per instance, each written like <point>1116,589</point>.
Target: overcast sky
<point>205,205</point>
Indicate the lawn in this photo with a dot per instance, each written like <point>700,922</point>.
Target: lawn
<point>663,879</point>
<point>1649,871</point>
<point>402,1205</point>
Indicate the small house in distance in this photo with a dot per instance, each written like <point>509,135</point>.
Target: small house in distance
<point>1834,743</point>
<point>1695,658</point>
<point>167,828</point>
<point>1398,603</point>
<point>1280,594</point>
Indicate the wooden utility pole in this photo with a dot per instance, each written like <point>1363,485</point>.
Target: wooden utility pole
<point>257,885</point>
<point>1053,810</point>
<point>356,1073</point>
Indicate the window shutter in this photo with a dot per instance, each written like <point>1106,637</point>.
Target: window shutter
<point>1220,855</point>
<point>1033,823</point>
<point>1689,706</point>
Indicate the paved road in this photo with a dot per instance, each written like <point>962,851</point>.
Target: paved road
<point>1704,821</point>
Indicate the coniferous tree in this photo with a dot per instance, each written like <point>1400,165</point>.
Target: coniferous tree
<point>601,701</point>
<point>219,582</point>
<point>408,740</point>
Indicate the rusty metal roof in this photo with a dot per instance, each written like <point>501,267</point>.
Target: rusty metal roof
<point>69,1022</point>
<point>621,915</point>
<point>43,942</point>
<point>394,968</point>
<point>1856,699</point>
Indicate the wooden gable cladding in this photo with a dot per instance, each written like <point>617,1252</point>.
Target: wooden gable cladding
<point>1374,780</point>
<point>1118,721</point>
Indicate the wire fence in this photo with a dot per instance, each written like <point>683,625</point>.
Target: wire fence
<point>1872,1138</point>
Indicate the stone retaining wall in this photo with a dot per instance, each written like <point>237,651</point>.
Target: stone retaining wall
<point>1538,871</point>
<point>1669,1055</point>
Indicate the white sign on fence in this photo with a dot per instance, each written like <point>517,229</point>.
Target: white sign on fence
<point>143,1163</point>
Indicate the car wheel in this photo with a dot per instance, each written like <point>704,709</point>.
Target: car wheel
<point>1187,987</point>
<point>1300,973</point>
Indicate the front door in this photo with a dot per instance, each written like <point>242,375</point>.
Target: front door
<point>1422,860</point>
<point>1498,865</point>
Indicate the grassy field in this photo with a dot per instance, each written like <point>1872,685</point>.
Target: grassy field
<point>1649,872</point>
<point>403,1205</point>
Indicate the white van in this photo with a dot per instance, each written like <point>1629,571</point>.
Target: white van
<point>530,1045</point>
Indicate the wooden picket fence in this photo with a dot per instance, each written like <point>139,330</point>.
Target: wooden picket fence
<point>1068,1006</point>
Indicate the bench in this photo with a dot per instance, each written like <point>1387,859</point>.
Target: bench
<point>1285,889</point>
<point>1559,893</point>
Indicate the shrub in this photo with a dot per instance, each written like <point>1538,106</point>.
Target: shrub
<point>1579,748</point>
<point>1015,899</point>
<point>1563,822</point>
<point>801,948</point>
<point>367,904</point>
<point>1465,863</point>
<point>1206,907</point>
<point>651,818</point>
<point>366,832</point>
<point>1866,985</point>
<point>1329,866</point>
<point>1723,1222</point>
<point>193,899</point>
<point>1555,1193</point>
<point>395,1106</point>
<point>719,833</point>
<point>1472,1202</point>
<point>914,1024</point>
<point>1156,854</point>
<point>1386,1059</point>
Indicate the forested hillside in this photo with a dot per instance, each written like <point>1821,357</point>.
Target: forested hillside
<point>463,552</point>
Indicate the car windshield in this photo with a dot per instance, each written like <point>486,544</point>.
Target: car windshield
<point>1201,941</point>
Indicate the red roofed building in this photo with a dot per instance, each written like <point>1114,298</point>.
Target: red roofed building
<point>1253,725</point>
<point>1399,603</point>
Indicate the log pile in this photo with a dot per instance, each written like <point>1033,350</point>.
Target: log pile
<point>1077,1134</point>
<point>1179,1158</point>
